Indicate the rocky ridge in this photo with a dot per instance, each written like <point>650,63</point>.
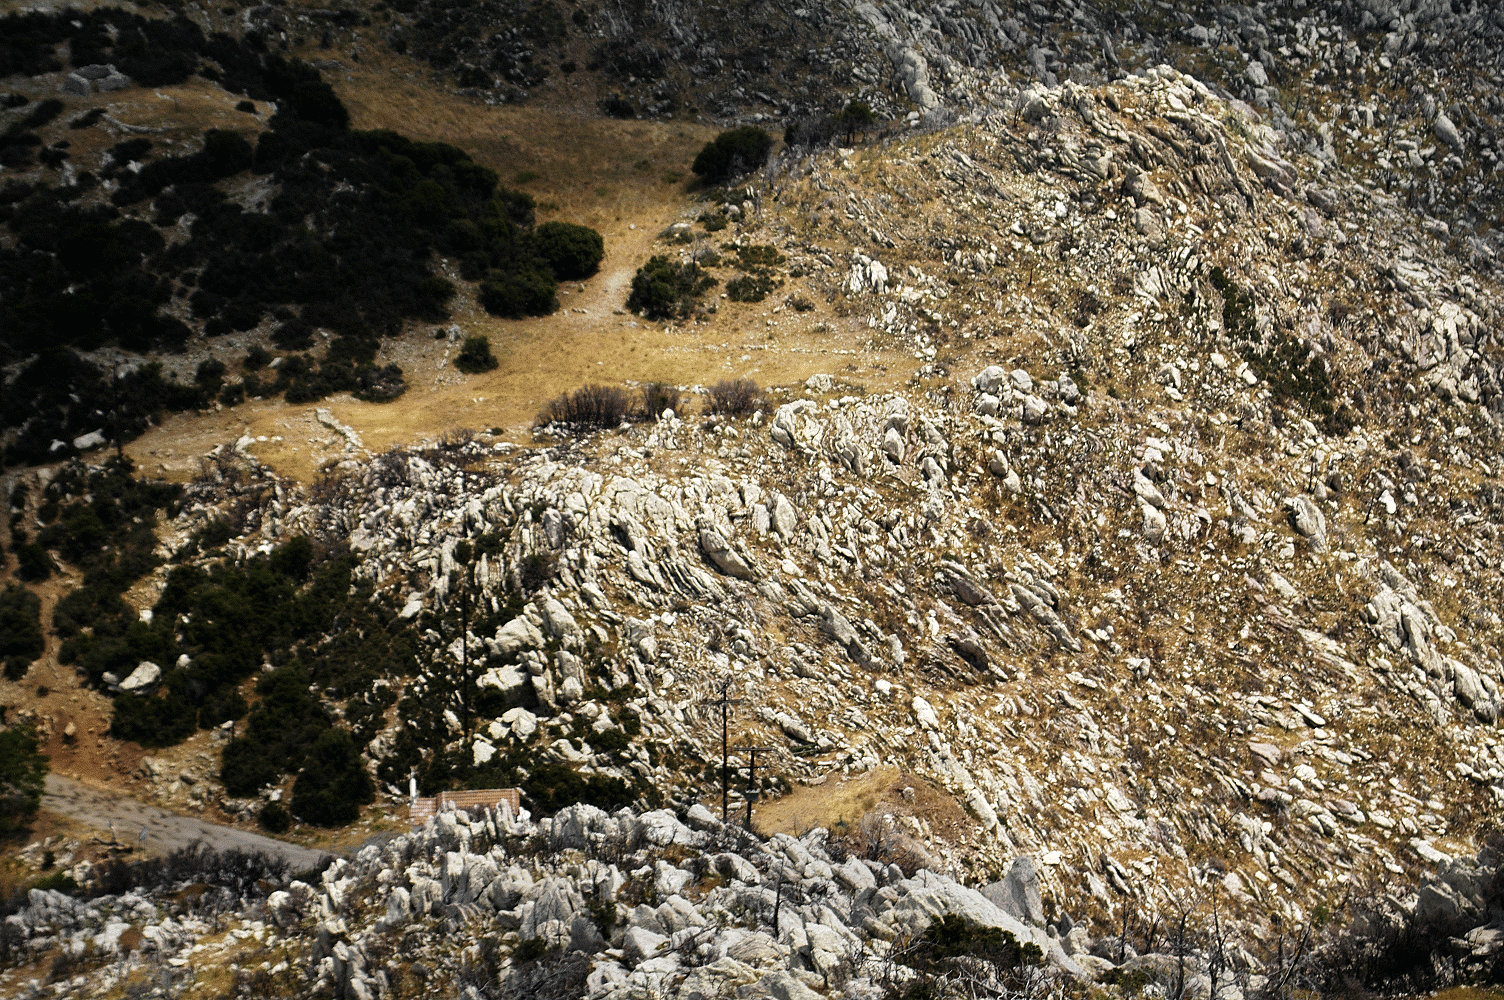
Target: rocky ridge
<point>1190,589</point>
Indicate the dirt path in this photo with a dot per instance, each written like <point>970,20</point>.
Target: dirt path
<point>164,832</point>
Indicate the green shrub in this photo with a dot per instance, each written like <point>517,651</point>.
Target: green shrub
<point>274,818</point>
<point>551,787</point>
<point>529,291</point>
<point>21,639</point>
<point>855,117</point>
<point>23,774</point>
<point>758,255</point>
<point>162,720</point>
<point>665,289</point>
<point>749,288</point>
<point>221,707</point>
<point>733,153</point>
<point>538,568</point>
<point>618,107</point>
<point>659,396</point>
<point>952,936</point>
<point>475,356</point>
<point>334,783</point>
<point>259,357</point>
<point>610,741</point>
<point>33,563</point>
<point>210,375</point>
<point>571,251</point>
<point>1293,372</point>
<point>57,882</point>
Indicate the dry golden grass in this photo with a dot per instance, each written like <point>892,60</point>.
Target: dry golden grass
<point>581,167</point>
<point>850,798</point>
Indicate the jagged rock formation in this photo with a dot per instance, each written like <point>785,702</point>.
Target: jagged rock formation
<point>595,905</point>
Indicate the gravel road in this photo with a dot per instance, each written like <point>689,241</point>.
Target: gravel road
<point>164,831</point>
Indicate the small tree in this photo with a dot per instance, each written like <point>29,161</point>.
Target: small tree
<point>23,775</point>
<point>854,117</point>
<point>732,153</point>
<point>475,356</point>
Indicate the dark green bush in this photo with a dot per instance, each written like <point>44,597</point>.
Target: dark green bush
<point>23,774</point>
<point>665,289</point>
<point>551,787</point>
<point>334,783</point>
<point>749,288</point>
<point>659,396</point>
<point>161,720</point>
<point>618,107</point>
<point>475,356</point>
<point>274,818</point>
<point>571,251</point>
<point>210,375</point>
<point>529,291</point>
<point>733,153</point>
<point>21,639</point>
<point>1292,370</point>
<point>610,741</point>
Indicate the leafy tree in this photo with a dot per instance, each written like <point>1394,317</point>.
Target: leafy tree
<point>732,153</point>
<point>23,775</point>
<point>475,356</point>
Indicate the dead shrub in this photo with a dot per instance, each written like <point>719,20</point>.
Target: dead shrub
<point>734,397</point>
<point>657,397</point>
<point>588,406</point>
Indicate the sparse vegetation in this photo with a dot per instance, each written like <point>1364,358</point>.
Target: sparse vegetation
<point>588,406</point>
<point>735,397</point>
<point>365,224</point>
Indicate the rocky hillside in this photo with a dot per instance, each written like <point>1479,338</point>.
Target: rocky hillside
<point>1154,610</point>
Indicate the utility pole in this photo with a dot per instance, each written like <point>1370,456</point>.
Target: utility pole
<point>752,791</point>
<point>726,684</point>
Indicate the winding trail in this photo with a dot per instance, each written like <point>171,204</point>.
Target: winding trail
<point>163,831</point>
